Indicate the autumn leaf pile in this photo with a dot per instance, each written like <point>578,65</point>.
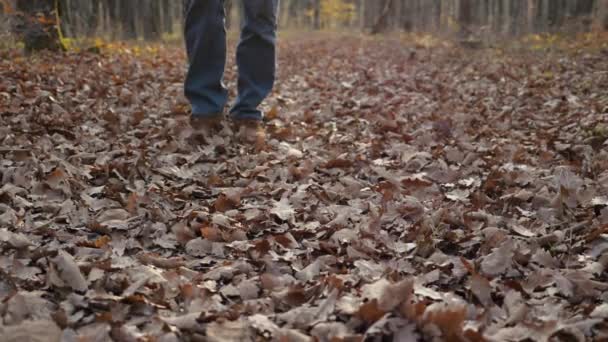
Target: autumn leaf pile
<point>405,194</point>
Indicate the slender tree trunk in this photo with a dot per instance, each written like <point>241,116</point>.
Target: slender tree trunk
<point>465,16</point>
<point>167,16</point>
<point>317,14</point>
<point>126,12</point>
<point>602,16</point>
<point>152,24</point>
<point>382,21</point>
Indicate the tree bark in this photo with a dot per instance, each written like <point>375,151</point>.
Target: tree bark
<point>126,12</point>
<point>382,21</point>
<point>38,25</point>
<point>152,22</point>
<point>603,14</point>
<point>317,14</point>
<point>465,16</point>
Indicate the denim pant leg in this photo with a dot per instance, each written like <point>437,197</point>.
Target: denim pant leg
<point>256,57</point>
<point>205,37</point>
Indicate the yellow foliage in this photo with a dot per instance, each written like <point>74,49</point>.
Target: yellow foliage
<point>547,41</point>
<point>427,40</point>
<point>68,43</point>
<point>336,12</point>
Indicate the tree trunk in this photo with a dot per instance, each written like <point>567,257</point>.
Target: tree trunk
<point>382,21</point>
<point>317,14</point>
<point>38,26</point>
<point>465,16</point>
<point>126,13</point>
<point>152,23</point>
<point>603,14</point>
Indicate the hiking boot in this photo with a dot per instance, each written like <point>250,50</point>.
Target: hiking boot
<point>249,131</point>
<point>205,127</point>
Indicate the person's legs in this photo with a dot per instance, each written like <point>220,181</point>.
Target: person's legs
<point>206,46</point>
<point>256,57</point>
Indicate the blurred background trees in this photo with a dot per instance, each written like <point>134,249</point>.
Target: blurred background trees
<point>156,19</point>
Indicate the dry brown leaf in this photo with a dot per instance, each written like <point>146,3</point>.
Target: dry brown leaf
<point>31,331</point>
<point>449,319</point>
<point>212,234</point>
<point>370,312</point>
<point>481,288</point>
<point>166,263</point>
<point>15,240</point>
<point>69,271</point>
<point>132,202</point>
<point>283,210</point>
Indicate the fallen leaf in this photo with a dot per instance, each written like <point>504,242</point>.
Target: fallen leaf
<point>283,210</point>
<point>70,272</point>
<point>31,331</point>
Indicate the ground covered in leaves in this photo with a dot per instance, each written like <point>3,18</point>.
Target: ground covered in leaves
<point>406,193</point>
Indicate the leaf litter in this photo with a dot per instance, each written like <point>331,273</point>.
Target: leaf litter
<point>454,195</point>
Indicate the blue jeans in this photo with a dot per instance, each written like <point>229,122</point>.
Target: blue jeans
<point>205,35</point>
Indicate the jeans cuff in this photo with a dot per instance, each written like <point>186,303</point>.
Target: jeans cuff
<point>205,114</point>
<point>250,115</point>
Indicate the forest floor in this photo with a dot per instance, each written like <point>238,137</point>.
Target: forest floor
<point>406,191</point>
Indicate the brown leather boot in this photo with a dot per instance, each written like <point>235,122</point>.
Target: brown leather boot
<point>205,127</point>
<point>250,132</point>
